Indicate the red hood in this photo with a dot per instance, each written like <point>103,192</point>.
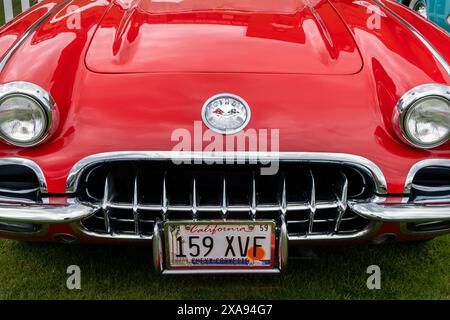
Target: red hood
<point>296,36</point>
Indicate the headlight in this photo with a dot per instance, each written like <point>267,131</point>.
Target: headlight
<point>27,114</point>
<point>422,116</point>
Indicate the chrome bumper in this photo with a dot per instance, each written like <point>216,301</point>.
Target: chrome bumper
<point>408,212</point>
<point>45,213</point>
<point>76,211</point>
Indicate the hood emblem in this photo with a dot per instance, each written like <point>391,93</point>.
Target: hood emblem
<point>226,113</point>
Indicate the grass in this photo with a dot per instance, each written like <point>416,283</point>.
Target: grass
<point>16,8</point>
<point>408,271</point>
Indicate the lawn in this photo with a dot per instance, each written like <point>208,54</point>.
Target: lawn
<point>408,271</point>
<point>16,6</point>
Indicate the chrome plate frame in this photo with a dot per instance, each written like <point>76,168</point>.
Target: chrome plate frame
<point>160,250</point>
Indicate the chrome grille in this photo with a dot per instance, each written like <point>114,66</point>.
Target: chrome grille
<point>312,197</point>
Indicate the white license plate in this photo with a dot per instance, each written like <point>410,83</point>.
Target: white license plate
<point>220,245</point>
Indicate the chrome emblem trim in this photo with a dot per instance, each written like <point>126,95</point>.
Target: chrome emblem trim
<point>223,108</point>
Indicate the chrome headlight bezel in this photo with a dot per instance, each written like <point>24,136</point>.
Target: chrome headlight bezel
<point>411,99</point>
<point>37,95</point>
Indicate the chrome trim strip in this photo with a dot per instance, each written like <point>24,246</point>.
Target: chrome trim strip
<point>420,165</point>
<point>29,164</point>
<point>429,46</point>
<point>221,271</point>
<point>408,212</point>
<point>27,33</point>
<point>24,191</point>
<point>46,214</point>
<point>371,229</point>
<point>81,230</point>
<point>342,158</point>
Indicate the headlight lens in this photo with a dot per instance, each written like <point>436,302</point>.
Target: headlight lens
<point>28,114</point>
<point>23,121</point>
<point>427,122</point>
<point>421,117</point>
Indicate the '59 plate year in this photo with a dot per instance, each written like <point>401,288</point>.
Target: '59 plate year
<point>220,245</point>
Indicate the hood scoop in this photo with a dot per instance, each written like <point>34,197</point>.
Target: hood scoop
<point>257,36</point>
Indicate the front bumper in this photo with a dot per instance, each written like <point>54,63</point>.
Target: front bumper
<point>77,211</point>
<point>45,213</point>
<point>409,212</point>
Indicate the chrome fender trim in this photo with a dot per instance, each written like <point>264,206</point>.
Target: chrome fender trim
<point>420,165</point>
<point>29,164</point>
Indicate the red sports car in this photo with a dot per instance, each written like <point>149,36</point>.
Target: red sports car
<point>223,132</point>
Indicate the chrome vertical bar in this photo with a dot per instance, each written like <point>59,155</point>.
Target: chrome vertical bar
<point>164,197</point>
<point>341,196</point>
<point>194,199</point>
<point>105,203</point>
<point>312,203</point>
<point>282,244</point>
<point>253,200</point>
<point>224,198</point>
<point>135,207</point>
<point>283,197</point>
<point>158,250</point>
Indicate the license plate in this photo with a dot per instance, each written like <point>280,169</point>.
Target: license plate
<point>220,245</point>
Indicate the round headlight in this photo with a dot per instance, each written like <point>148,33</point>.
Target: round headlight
<point>22,120</point>
<point>26,114</point>
<point>427,122</point>
<point>423,116</point>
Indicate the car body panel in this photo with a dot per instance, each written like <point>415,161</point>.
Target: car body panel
<point>146,38</point>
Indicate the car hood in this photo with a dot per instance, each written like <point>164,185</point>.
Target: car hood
<point>257,36</point>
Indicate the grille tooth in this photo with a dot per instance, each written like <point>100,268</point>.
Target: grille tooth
<point>311,197</point>
<point>312,202</point>
<point>194,199</point>
<point>253,203</point>
<point>107,194</point>
<point>164,197</point>
<point>341,196</point>
<point>135,207</point>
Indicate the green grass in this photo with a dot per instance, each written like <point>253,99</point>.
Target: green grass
<point>409,271</point>
<point>16,7</point>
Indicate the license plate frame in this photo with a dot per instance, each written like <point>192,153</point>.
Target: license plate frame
<point>216,268</point>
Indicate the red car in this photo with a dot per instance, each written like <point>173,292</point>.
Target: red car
<point>224,131</point>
